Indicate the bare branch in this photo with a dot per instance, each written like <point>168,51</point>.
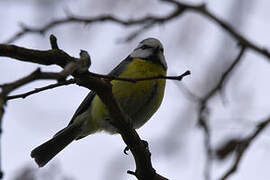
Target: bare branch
<point>49,57</point>
<point>178,78</point>
<point>224,76</point>
<point>53,42</point>
<point>7,88</point>
<point>201,8</point>
<point>37,74</point>
<point>89,20</point>
<point>146,22</point>
<point>67,62</point>
<point>108,77</point>
<point>203,111</point>
<point>243,146</point>
<point>37,90</point>
<point>59,57</point>
<point>134,80</point>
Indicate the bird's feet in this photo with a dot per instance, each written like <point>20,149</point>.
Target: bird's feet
<point>145,143</point>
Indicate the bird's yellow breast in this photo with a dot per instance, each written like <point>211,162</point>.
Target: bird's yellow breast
<point>139,100</point>
<point>138,68</point>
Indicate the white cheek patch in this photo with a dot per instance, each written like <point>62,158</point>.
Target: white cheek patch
<point>141,53</point>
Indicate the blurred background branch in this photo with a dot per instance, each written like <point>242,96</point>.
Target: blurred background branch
<point>145,22</point>
<point>204,112</point>
<point>241,146</point>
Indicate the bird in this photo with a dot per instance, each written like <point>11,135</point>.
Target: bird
<point>138,100</point>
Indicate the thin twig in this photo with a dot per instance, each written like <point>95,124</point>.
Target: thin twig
<point>37,74</point>
<point>8,88</point>
<point>72,81</point>
<point>134,80</point>
<point>37,90</point>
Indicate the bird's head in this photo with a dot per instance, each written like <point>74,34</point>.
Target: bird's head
<point>150,49</point>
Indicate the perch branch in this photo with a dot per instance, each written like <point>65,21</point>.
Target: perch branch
<point>108,77</point>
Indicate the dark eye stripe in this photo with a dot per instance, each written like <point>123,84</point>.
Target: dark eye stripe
<point>145,47</point>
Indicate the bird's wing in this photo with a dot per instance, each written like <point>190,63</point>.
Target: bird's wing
<point>88,99</point>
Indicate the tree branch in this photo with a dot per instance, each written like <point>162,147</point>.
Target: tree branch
<point>89,20</point>
<point>203,111</point>
<point>30,55</point>
<point>146,22</point>
<point>134,80</point>
<point>243,146</point>
<point>201,9</point>
<point>61,58</point>
<point>37,90</point>
<point>108,77</point>
<point>49,57</point>
<point>224,77</point>
<point>7,88</point>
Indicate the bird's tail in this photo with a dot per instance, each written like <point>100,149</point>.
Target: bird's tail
<point>46,151</point>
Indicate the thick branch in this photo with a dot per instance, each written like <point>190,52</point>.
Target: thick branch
<point>49,57</point>
<point>69,68</point>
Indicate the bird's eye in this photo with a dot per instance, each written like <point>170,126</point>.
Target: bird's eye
<point>162,50</point>
<point>145,47</point>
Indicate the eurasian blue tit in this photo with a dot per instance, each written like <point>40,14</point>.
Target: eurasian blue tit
<point>138,100</point>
